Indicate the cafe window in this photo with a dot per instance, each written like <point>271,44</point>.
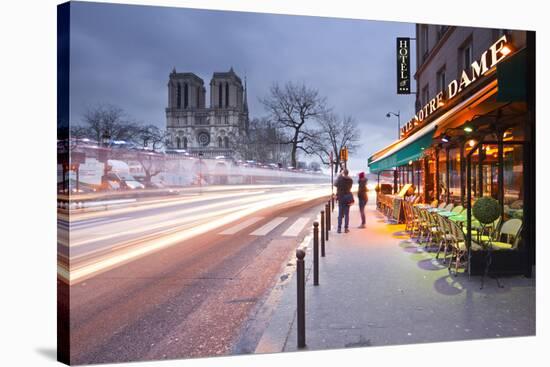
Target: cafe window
<point>516,133</point>
<point>442,175</point>
<point>513,180</point>
<point>454,174</point>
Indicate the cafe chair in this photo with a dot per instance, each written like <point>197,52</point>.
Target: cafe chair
<point>422,224</point>
<point>445,237</point>
<point>458,246</point>
<point>433,204</point>
<point>449,207</point>
<point>511,229</point>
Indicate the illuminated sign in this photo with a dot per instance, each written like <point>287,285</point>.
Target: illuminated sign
<point>489,59</point>
<point>403,66</point>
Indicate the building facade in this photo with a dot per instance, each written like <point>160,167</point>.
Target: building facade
<point>474,131</point>
<point>195,128</point>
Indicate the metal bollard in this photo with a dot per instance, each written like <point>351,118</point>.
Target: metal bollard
<point>328,224</point>
<point>323,222</point>
<point>315,253</point>
<point>301,297</point>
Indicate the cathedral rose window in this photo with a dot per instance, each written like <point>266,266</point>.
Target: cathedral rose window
<point>204,138</point>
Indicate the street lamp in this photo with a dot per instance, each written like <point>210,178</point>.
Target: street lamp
<point>398,114</point>
<point>104,157</point>
<point>200,172</point>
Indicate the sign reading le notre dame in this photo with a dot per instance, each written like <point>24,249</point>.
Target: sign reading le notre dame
<point>403,65</point>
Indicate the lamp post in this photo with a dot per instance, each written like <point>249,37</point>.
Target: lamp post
<point>200,172</point>
<point>104,157</point>
<point>398,114</point>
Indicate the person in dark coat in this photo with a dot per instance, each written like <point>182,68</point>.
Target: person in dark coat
<point>345,199</point>
<point>362,197</point>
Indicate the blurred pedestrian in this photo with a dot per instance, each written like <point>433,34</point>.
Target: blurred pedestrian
<point>362,197</point>
<point>345,199</point>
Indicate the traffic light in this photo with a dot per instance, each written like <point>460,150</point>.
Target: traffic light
<point>344,154</point>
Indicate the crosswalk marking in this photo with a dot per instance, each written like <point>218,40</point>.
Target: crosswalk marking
<point>296,228</point>
<point>269,226</point>
<point>241,225</point>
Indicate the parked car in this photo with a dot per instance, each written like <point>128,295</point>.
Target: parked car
<point>124,181</point>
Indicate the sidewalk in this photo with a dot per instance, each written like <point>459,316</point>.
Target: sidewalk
<point>376,287</point>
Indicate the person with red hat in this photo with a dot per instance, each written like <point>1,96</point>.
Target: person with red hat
<point>362,196</point>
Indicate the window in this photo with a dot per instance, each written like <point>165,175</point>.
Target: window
<point>424,40</point>
<point>178,141</point>
<point>220,142</point>
<point>198,97</point>
<point>226,94</point>
<point>184,143</point>
<point>441,81</point>
<point>425,94</point>
<point>465,56</point>
<point>454,174</point>
<point>220,95</point>
<point>178,96</point>
<point>441,29</point>
<point>226,142</point>
<point>185,95</point>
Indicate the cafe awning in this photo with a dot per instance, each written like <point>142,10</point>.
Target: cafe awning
<point>403,154</point>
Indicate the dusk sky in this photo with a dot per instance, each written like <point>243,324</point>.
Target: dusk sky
<point>123,54</point>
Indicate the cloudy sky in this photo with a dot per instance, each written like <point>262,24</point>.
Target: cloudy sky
<point>122,55</point>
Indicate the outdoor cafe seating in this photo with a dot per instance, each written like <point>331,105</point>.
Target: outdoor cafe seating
<point>443,228</point>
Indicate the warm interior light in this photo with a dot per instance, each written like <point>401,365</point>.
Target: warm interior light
<point>471,143</point>
<point>445,139</point>
<point>505,50</point>
<point>441,103</point>
<point>468,129</point>
<point>410,163</point>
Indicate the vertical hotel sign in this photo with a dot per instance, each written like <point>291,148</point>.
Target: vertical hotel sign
<point>403,65</point>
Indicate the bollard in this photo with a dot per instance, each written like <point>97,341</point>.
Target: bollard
<point>301,297</point>
<point>328,224</point>
<point>315,253</point>
<point>323,222</point>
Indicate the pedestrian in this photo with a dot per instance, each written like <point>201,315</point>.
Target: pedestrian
<point>345,199</point>
<point>362,197</point>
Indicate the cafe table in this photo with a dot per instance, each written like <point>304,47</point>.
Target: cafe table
<point>435,210</point>
<point>446,213</point>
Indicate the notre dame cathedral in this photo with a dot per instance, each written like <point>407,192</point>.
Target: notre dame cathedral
<point>215,130</point>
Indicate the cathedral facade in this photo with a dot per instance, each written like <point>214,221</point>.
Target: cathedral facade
<point>215,130</point>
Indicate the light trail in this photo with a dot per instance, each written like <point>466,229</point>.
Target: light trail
<point>227,216</point>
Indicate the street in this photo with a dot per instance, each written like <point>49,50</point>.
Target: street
<point>178,277</point>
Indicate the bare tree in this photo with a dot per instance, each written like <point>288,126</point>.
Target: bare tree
<point>110,121</point>
<point>291,107</point>
<point>334,133</point>
<point>264,142</point>
<point>152,163</point>
<point>150,136</point>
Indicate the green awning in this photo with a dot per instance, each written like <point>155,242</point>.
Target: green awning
<point>512,77</point>
<point>409,152</point>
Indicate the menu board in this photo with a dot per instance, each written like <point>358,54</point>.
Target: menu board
<point>397,208</point>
